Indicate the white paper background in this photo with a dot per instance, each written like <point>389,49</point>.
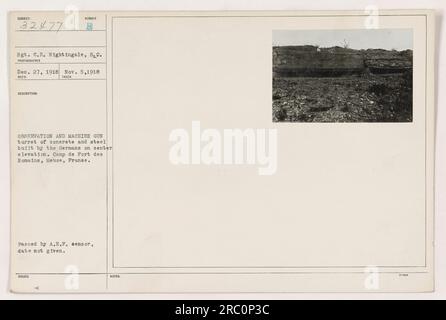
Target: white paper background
<point>440,218</point>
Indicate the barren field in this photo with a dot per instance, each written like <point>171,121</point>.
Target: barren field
<point>354,98</point>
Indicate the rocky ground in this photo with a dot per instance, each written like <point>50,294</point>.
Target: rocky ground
<point>355,98</point>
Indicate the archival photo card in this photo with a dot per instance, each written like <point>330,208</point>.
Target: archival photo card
<point>222,152</point>
<point>358,75</point>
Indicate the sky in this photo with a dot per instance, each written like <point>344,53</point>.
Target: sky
<point>399,39</point>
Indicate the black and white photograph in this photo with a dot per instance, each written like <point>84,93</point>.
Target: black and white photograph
<point>361,75</point>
